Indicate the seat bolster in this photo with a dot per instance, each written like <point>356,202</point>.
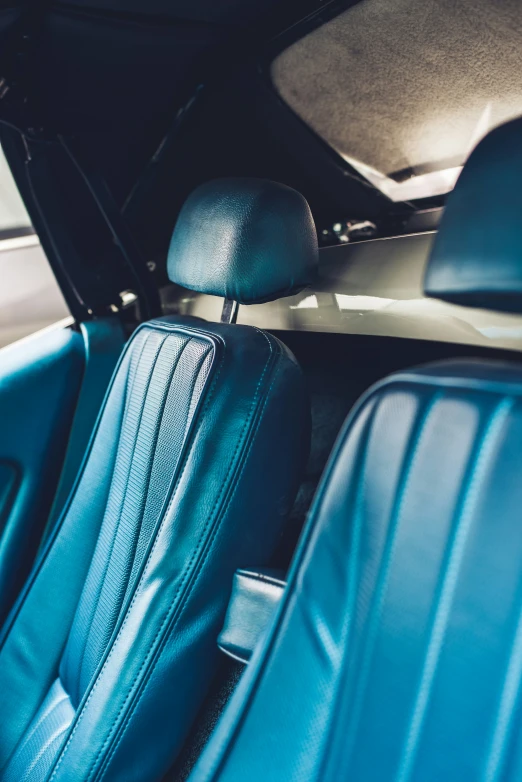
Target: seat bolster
<point>40,379</point>
<point>163,654</point>
<point>33,637</point>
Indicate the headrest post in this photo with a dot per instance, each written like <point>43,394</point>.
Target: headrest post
<point>229,312</point>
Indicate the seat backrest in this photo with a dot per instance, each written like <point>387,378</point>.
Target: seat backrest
<point>191,471</point>
<point>396,653</point>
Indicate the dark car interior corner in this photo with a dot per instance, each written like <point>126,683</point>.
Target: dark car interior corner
<point>260,391</point>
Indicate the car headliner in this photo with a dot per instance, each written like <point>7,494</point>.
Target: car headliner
<point>117,79</point>
<point>401,84</point>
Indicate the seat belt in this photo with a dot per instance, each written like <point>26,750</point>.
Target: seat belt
<point>254,599</point>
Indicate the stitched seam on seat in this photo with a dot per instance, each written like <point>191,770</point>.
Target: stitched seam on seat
<point>128,391</point>
<point>481,385</point>
<point>25,739</point>
<point>95,684</point>
<point>191,411</point>
<point>208,546</point>
<point>186,574</point>
<point>288,597</point>
<point>155,444</point>
<point>407,463</point>
<point>183,328</point>
<point>368,641</point>
<point>203,541</point>
<point>188,423</point>
<point>122,504</point>
<point>81,712</point>
<point>163,346</point>
<point>54,532</point>
<point>227,742</point>
<point>151,326</point>
<point>461,525</point>
<point>43,751</point>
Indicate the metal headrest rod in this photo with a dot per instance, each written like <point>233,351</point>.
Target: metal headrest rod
<point>230,310</point>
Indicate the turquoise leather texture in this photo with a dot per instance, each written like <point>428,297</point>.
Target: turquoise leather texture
<point>396,652</point>
<point>37,750</point>
<point>475,260</point>
<point>110,649</point>
<point>255,596</point>
<point>249,240</point>
<point>103,340</point>
<point>39,384</point>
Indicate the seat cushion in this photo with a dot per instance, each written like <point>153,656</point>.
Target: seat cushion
<point>193,466</point>
<point>396,653</point>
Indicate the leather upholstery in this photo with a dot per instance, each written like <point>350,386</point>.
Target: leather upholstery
<point>249,240</point>
<point>40,379</point>
<point>255,596</point>
<point>112,645</point>
<point>103,340</point>
<point>476,258</point>
<point>396,651</point>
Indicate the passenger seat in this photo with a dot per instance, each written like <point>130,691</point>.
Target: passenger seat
<point>396,653</point>
<point>191,471</point>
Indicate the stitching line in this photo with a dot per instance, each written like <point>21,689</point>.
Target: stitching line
<point>93,611</point>
<point>199,568</point>
<point>33,575</point>
<point>201,544</point>
<point>96,682</point>
<point>134,362</point>
<point>155,438</point>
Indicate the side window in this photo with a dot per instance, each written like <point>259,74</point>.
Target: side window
<point>30,298</point>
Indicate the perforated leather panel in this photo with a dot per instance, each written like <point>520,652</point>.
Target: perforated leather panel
<point>36,752</point>
<point>112,646</point>
<point>166,377</point>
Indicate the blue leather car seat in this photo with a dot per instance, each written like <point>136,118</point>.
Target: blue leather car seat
<point>396,653</point>
<point>192,468</point>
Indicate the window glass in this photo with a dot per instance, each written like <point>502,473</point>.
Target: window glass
<point>374,288</point>
<point>30,299</point>
<point>13,214</point>
<point>403,90</point>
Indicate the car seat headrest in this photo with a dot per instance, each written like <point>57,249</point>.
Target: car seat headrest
<point>477,255</point>
<point>249,240</point>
